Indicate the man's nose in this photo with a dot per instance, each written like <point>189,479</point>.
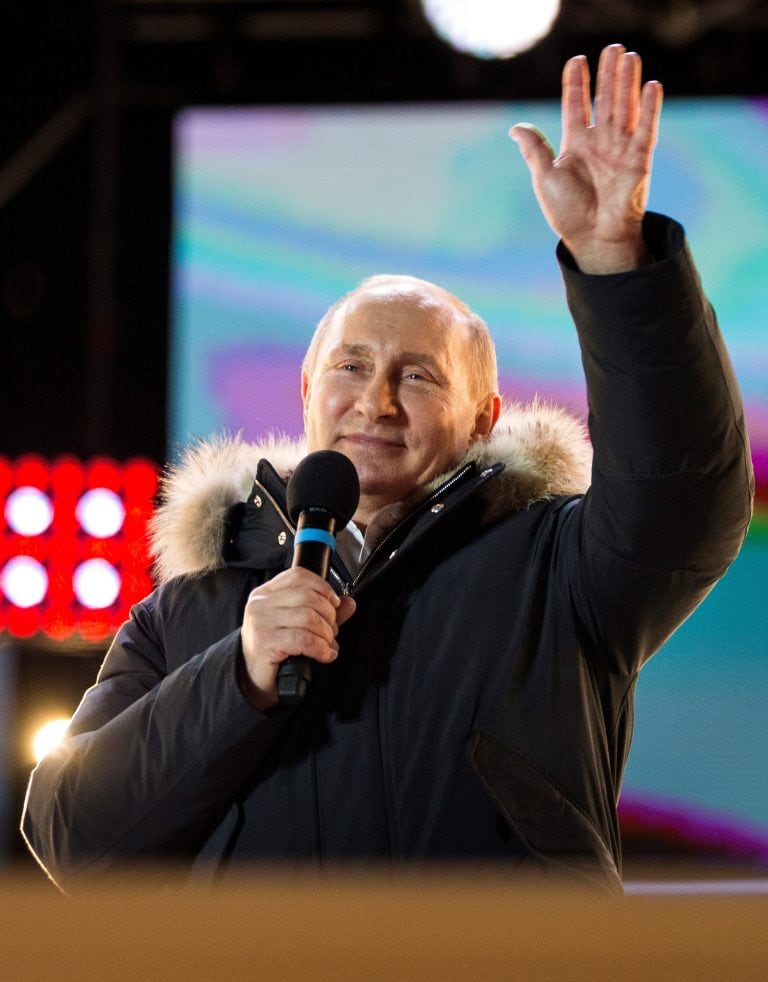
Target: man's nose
<point>377,398</point>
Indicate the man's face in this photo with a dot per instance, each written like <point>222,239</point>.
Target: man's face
<point>391,390</point>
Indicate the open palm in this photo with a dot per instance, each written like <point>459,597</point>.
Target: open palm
<point>594,192</point>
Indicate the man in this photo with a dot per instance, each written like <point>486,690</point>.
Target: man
<point>477,645</point>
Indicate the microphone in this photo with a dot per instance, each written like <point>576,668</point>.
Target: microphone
<point>322,496</point>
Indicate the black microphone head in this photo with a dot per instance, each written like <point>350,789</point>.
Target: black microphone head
<point>324,479</point>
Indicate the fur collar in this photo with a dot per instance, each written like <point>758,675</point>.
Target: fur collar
<point>545,450</point>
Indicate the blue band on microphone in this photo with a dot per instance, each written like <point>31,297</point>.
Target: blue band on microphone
<point>315,535</point>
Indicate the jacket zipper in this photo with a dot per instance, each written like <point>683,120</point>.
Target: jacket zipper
<point>346,588</point>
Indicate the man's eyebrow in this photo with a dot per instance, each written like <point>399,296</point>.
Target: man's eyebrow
<point>361,350</point>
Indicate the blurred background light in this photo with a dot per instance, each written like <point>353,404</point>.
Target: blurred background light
<point>48,737</point>
<point>28,511</point>
<point>491,28</point>
<point>100,512</point>
<point>74,550</point>
<point>24,581</point>
<point>96,583</point>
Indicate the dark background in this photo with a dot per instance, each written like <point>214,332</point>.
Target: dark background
<point>88,94</point>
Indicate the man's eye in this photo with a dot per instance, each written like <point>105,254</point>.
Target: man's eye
<point>348,367</point>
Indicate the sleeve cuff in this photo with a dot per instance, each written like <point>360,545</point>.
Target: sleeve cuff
<point>664,237</point>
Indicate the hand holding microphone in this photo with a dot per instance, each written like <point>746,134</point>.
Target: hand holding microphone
<point>294,618</point>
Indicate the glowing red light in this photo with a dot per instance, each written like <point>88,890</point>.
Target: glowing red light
<point>136,586</point>
<point>36,546</point>
<point>67,478</point>
<point>23,622</point>
<point>140,480</point>
<point>60,586</point>
<point>32,470</point>
<point>58,622</point>
<point>69,541</point>
<point>103,473</point>
<point>96,625</point>
<point>64,546</point>
<point>6,477</point>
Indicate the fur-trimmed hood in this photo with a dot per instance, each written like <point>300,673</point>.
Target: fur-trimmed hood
<point>545,451</point>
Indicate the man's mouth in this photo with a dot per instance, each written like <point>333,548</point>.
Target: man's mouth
<point>371,442</point>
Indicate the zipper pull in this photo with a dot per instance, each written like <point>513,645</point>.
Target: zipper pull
<point>343,588</point>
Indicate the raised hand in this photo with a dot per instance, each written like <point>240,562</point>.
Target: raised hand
<point>594,192</point>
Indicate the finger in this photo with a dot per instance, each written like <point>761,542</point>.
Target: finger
<point>534,146</point>
<point>575,98</point>
<point>346,610</point>
<point>298,578</point>
<point>291,607</point>
<point>304,618</point>
<point>605,87</point>
<point>626,103</point>
<point>651,99</point>
<point>288,631</point>
<point>293,641</point>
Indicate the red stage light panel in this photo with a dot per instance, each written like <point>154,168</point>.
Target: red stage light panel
<point>74,552</point>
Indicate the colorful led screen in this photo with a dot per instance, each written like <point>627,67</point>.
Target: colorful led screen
<point>280,211</point>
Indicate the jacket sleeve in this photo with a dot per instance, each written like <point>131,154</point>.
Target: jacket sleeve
<point>671,492</point>
<point>152,760</point>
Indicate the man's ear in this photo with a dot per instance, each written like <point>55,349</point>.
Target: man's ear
<point>486,417</point>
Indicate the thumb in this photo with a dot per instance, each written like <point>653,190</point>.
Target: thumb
<point>534,146</point>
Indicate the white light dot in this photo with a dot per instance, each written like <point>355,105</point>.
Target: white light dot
<point>492,28</point>
<point>48,737</point>
<point>96,583</point>
<point>100,512</point>
<point>28,511</point>
<point>24,581</point>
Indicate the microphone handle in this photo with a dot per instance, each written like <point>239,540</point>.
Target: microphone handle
<point>313,547</point>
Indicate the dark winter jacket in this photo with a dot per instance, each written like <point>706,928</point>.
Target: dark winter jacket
<point>481,705</point>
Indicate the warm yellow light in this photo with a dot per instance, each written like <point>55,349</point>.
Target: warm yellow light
<point>48,737</point>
